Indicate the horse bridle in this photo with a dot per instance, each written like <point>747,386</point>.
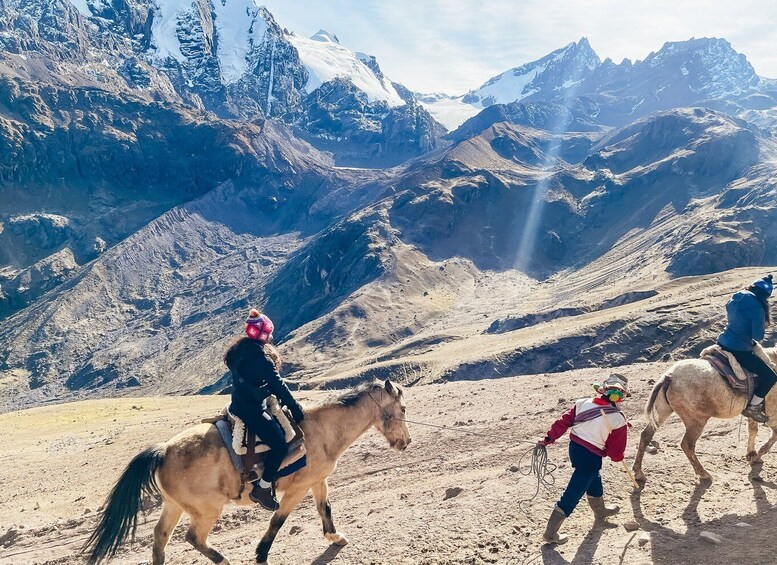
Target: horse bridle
<point>386,416</point>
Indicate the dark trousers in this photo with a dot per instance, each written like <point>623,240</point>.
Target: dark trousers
<point>586,478</point>
<point>269,431</point>
<point>766,376</point>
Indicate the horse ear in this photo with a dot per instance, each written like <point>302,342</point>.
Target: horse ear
<point>390,388</point>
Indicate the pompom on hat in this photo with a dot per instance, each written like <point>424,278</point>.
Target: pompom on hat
<point>764,286</point>
<point>259,326</point>
<point>616,387</point>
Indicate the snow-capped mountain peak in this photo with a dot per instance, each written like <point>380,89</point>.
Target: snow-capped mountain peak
<point>325,59</point>
<point>558,70</point>
<point>552,76</point>
<point>223,42</point>
<point>325,37</point>
<point>710,65</point>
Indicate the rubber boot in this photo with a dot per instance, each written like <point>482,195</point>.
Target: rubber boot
<point>601,510</point>
<point>551,534</point>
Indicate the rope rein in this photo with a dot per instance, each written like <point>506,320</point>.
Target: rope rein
<point>539,466</point>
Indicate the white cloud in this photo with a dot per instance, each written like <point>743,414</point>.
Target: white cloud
<point>455,45</point>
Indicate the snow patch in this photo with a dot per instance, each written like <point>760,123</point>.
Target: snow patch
<point>450,112</point>
<point>327,59</point>
<point>82,7</point>
<point>164,28</point>
<point>238,27</point>
<point>510,85</point>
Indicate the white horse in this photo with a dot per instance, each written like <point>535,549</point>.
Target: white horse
<point>694,390</point>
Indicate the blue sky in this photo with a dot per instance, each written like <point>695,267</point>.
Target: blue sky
<point>455,45</point>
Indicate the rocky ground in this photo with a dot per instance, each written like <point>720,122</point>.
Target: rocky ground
<point>453,497</point>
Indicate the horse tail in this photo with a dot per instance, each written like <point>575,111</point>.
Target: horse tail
<point>120,517</point>
<point>660,388</point>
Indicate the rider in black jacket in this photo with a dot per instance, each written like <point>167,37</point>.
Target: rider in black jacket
<point>255,365</point>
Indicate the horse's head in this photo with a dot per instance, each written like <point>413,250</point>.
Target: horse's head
<point>391,422</point>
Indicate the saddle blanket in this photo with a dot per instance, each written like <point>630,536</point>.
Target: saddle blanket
<point>294,461</point>
<point>235,435</point>
<point>729,368</point>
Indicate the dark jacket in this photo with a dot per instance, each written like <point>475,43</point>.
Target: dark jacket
<point>256,377</point>
<point>746,322</point>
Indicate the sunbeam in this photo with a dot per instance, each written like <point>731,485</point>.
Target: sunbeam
<point>526,245</point>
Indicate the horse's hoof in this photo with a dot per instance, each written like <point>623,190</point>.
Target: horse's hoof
<point>337,539</point>
<point>705,478</point>
<point>753,458</point>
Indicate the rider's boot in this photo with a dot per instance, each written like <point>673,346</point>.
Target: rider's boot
<point>264,496</point>
<point>756,412</point>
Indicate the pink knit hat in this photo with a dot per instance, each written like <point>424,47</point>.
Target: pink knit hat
<point>259,326</point>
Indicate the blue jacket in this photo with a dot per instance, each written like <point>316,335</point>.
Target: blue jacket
<point>746,322</point>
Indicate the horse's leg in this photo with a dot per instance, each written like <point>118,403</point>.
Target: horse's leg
<point>321,494</point>
<point>290,499</point>
<point>693,429</point>
<point>644,439</point>
<point>752,431</point>
<point>662,411</point>
<point>171,513</point>
<point>199,530</point>
<point>767,446</point>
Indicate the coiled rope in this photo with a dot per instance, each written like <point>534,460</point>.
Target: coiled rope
<point>540,468</point>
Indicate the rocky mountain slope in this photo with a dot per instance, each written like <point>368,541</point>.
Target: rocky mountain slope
<point>399,272</point>
<point>107,115</point>
<point>229,57</point>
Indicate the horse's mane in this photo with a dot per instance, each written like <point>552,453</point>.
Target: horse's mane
<point>352,396</point>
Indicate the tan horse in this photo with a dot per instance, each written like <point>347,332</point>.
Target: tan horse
<point>696,392</point>
<point>194,474</point>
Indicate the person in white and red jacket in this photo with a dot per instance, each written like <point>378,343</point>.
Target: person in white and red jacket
<point>598,430</point>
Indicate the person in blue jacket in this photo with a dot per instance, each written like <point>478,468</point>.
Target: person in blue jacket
<point>748,318</point>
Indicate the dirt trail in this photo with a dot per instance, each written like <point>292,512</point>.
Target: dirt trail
<point>451,498</point>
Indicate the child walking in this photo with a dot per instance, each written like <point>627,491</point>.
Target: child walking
<point>598,430</point>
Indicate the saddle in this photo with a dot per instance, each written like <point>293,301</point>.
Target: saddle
<point>737,377</point>
<point>245,449</point>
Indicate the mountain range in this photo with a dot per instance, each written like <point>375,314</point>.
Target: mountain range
<point>165,165</point>
<point>699,72</point>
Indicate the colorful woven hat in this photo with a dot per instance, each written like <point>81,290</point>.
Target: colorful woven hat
<point>259,326</point>
<point>614,382</point>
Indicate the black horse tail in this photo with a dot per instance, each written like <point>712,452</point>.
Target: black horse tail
<point>120,516</point>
